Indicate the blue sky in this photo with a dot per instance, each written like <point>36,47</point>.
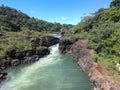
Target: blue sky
<point>62,11</point>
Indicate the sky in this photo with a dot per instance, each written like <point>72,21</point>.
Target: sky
<point>61,11</point>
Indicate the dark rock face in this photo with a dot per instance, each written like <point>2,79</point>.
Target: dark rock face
<point>42,51</point>
<point>3,76</point>
<point>65,44</point>
<point>49,41</point>
<point>1,34</point>
<point>30,53</point>
<point>63,33</point>
<point>96,72</point>
<point>44,41</point>
<point>19,55</point>
<point>11,53</point>
<point>15,57</point>
<point>15,62</point>
<point>4,62</point>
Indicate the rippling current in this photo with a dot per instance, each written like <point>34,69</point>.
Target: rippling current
<point>52,72</point>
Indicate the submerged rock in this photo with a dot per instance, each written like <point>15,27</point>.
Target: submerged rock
<point>3,76</point>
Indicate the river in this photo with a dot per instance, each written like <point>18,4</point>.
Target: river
<point>52,72</point>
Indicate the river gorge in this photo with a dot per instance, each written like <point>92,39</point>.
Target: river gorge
<point>55,71</point>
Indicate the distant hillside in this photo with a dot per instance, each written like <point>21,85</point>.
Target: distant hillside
<point>102,30</point>
<point>14,20</point>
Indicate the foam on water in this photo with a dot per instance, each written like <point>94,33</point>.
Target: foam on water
<point>25,77</point>
<point>52,72</point>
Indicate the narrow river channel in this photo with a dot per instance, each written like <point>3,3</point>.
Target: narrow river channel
<point>52,72</point>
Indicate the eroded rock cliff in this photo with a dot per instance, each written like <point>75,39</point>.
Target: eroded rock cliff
<point>97,73</point>
<point>15,57</point>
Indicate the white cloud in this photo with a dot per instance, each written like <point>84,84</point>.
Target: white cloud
<point>32,11</point>
<point>63,18</point>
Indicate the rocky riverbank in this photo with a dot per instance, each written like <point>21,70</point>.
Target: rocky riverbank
<point>97,73</point>
<point>15,57</point>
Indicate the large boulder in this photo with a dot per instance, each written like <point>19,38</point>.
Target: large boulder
<point>49,41</point>
<point>42,51</point>
<point>30,59</point>
<point>30,53</point>
<point>44,41</point>
<point>11,53</point>
<point>65,44</point>
<point>15,62</point>
<point>4,62</point>
<point>3,75</point>
<point>19,55</point>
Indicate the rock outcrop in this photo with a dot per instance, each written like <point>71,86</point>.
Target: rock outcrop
<point>44,41</point>
<point>96,72</point>
<point>49,40</point>
<point>65,44</point>
<point>14,57</point>
<point>3,76</point>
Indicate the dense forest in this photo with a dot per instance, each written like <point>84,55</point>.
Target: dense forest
<point>14,20</point>
<point>102,30</point>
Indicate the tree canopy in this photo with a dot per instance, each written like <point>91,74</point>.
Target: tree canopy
<point>102,30</point>
<point>115,3</point>
<point>14,20</point>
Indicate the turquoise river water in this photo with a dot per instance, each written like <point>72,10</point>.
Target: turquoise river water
<point>52,72</point>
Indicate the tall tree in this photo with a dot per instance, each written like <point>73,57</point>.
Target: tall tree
<point>115,3</point>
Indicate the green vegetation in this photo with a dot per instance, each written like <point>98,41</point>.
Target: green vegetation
<point>115,3</point>
<point>18,40</point>
<point>102,30</point>
<point>14,20</point>
<point>16,29</point>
